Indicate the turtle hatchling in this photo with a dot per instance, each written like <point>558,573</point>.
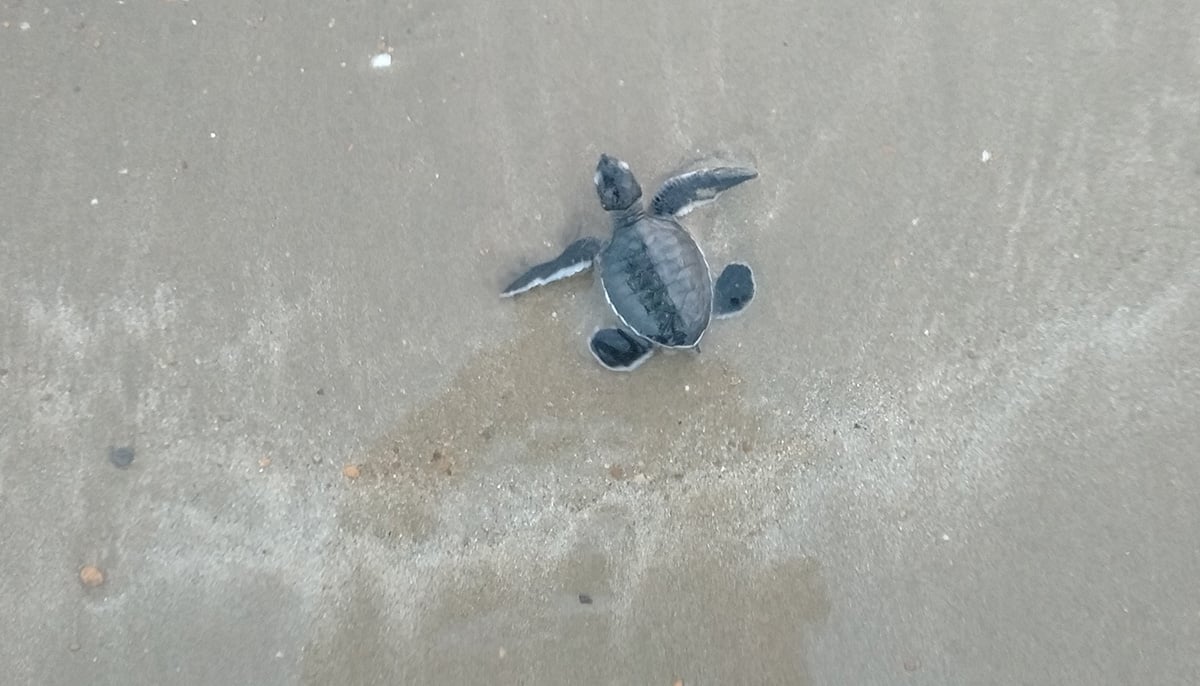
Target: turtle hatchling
<point>653,273</point>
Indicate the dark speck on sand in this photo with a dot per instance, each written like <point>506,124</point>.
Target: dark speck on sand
<point>121,457</point>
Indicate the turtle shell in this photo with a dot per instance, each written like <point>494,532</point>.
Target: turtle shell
<point>657,281</point>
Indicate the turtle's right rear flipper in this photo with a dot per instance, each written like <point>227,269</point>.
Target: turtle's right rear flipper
<point>733,290</point>
<point>576,258</point>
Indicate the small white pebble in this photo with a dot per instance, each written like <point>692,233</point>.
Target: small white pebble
<point>95,201</point>
<point>332,21</point>
<point>687,389</point>
<point>194,22</point>
<point>916,220</point>
<point>985,156</point>
<point>381,61</point>
<point>945,537</point>
<point>123,171</point>
<point>212,134</point>
<point>24,26</point>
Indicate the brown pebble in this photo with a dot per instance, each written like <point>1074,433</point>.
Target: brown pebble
<point>617,472</point>
<point>91,576</point>
<point>350,471</point>
<point>678,682</point>
<point>912,664</point>
<point>264,462</point>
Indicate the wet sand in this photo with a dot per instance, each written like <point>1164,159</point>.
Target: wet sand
<point>951,442</point>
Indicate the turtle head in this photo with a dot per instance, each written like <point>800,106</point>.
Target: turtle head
<point>615,184</point>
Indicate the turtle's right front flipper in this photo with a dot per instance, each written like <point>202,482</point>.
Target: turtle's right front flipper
<point>576,258</point>
<point>684,193</point>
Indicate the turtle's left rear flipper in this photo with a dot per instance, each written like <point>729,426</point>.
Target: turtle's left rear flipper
<point>618,350</point>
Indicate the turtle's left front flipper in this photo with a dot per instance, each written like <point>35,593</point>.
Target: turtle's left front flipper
<point>576,258</point>
<point>684,193</point>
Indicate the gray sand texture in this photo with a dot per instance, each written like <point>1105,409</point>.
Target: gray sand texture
<point>265,420</point>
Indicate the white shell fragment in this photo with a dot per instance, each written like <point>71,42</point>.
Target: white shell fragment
<point>381,61</point>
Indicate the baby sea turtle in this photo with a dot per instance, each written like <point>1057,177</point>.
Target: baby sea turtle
<point>654,275</point>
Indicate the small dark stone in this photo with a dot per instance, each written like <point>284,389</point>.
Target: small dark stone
<point>585,599</point>
<point>859,425</point>
<point>320,391</point>
<point>121,457</point>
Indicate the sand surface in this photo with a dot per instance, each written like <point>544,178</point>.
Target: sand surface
<point>953,441</point>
